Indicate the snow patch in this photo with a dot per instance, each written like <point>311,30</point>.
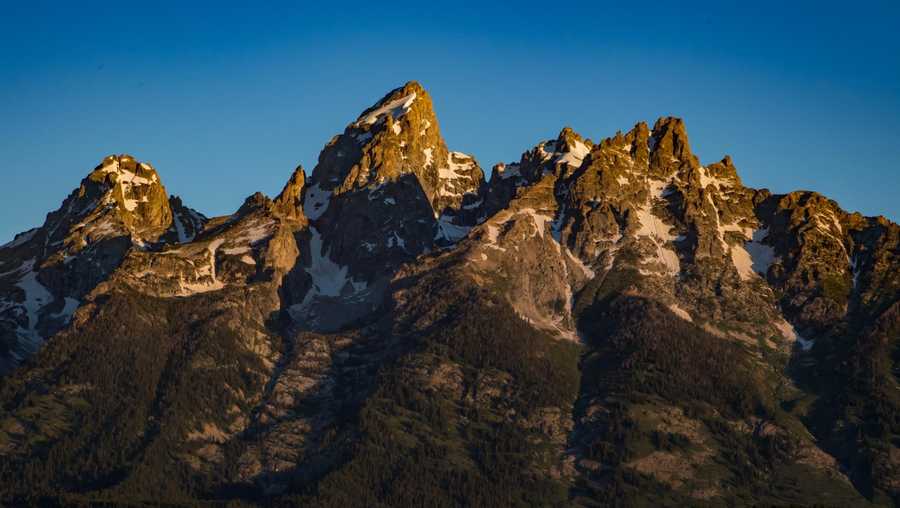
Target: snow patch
<point>753,257</point>
<point>179,229</point>
<point>547,149</point>
<point>20,239</point>
<point>742,262</point>
<point>209,281</point>
<point>36,298</point>
<point>127,178</point>
<point>255,234</point>
<point>454,172</point>
<point>824,222</point>
<point>683,314</point>
<point>396,108</point>
<point>394,240</point>
<point>316,201</point>
<point>492,232</point>
<point>329,279</point>
<point>197,222</point>
<point>69,308</point>
<point>580,264</point>
<point>575,156</point>
<point>790,334</point>
<point>234,251</point>
<point>653,226</point>
<point>762,255</point>
<point>474,205</point>
<point>505,171</point>
<point>449,231</point>
<point>451,171</point>
<point>193,288</point>
<point>191,218</point>
<point>656,230</point>
<point>737,228</point>
<point>706,179</point>
<point>540,220</point>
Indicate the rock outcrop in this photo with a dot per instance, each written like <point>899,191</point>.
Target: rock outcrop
<point>46,272</point>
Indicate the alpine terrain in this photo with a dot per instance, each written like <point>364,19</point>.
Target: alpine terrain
<point>600,323</point>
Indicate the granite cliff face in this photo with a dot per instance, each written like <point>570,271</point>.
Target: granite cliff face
<point>601,322</point>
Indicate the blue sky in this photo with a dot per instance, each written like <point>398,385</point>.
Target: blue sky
<point>226,100</point>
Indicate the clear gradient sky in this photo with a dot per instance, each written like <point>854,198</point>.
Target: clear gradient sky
<point>226,100</point>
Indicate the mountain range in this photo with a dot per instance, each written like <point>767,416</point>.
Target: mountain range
<point>601,323</point>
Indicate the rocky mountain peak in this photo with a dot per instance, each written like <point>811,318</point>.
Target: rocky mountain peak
<point>133,191</point>
<point>569,140</point>
<point>724,170</point>
<point>391,173</point>
<point>287,206</point>
<point>289,202</point>
<point>399,135</point>
<point>669,146</point>
<point>254,202</point>
<point>119,205</point>
<point>120,198</point>
<point>383,192</point>
<point>562,157</point>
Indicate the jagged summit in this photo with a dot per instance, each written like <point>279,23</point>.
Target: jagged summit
<point>669,144</point>
<point>130,189</point>
<point>569,140</point>
<point>384,191</point>
<point>389,183</point>
<point>120,198</point>
<point>398,135</point>
<point>290,201</point>
<point>121,204</point>
<point>565,154</point>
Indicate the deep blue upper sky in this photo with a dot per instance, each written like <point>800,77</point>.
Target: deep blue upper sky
<point>225,101</point>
